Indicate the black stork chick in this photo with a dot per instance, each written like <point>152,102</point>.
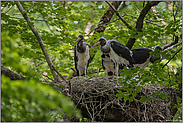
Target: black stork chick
<point>108,65</point>
<point>81,56</point>
<point>142,57</point>
<point>117,52</point>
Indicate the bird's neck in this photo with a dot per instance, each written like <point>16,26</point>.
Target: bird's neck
<point>81,47</point>
<point>80,43</point>
<point>105,48</point>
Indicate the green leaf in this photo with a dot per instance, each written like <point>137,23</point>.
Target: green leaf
<point>150,99</point>
<point>143,98</point>
<point>138,88</point>
<point>126,98</point>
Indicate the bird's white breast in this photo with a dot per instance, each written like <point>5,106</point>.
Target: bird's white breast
<point>109,66</point>
<point>83,60</point>
<point>143,65</point>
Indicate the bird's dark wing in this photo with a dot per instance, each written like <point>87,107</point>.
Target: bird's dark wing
<point>76,60</point>
<point>103,55</point>
<point>89,58</point>
<point>140,55</point>
<point>121,66</point>
<point>103,65</point>
<point>122,51</point>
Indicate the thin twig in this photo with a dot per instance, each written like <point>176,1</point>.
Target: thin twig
<point>31,8</point>
<point>59,74</point>
<point>49,78</point>
<point>112,7</point>
<point>144,20</point>
<point>10,8</point>
<point>136,6</point>
<point>172,57</point>
<point>47,24</point>
<point>23,18</point>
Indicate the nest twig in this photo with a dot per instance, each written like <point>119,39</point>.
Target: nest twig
<point>96,98</point>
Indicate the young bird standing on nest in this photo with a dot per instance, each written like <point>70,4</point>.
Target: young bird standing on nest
<point>108,65</point>
<point>117,51</point>
<point>81,56</point>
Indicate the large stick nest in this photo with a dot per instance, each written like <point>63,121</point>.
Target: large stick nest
<point>96,99</point>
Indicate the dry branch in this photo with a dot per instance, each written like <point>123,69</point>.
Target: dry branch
<point>59,74</point>
<point>26,17</point>
<point>103,25</point>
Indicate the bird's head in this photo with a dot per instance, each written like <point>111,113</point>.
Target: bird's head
<point>80,37</point>
<point>157,48</point>
<point>102,41</point>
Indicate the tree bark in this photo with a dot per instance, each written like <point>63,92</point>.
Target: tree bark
<point>11,74</point>
<point>107,17</point>
<point>48,59</point>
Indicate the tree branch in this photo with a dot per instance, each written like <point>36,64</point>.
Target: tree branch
<point>103,24</point>
<point>139,23</point>
<point>130,27</point>
<point>26,17</point>
<point>47,24</point>
<point>172,57</point>
<point>32,7</point>
<point>11,74</point>
<point>10,8</point>
<point>59,74</point>
<point>144,20</point>
<point>171,44</point>
<point>107,17</point>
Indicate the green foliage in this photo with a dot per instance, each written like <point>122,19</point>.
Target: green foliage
<point>25,101</point>
<point>178,115</point>
<point>12,56</point>
<point>60,22</point>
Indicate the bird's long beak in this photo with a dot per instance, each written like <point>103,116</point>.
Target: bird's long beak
<point>98,42</point>
<point>78,39</point>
